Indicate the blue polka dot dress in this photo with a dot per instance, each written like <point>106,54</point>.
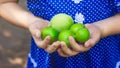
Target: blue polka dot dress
<point>105,54</point>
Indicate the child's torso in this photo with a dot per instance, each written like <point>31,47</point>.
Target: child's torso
<point>106,54</point>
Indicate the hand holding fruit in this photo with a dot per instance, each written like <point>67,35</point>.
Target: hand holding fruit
<point>95,35</point>
<point>64,24</point>
<point>36,29</point>
<point>74,38</point>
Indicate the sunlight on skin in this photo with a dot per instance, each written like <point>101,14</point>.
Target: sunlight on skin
<point>17,60</point>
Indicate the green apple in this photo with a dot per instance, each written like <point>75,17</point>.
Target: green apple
<point>82,35</point>
<point>75,27</point>
<point>49,31</point>
<point>64,36</point>
<point>61,22</point>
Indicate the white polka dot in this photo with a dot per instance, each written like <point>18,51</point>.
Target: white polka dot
<point>76,1</point>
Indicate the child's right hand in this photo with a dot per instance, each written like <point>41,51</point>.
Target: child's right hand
<point>35,29</point>
<point>76,48</point>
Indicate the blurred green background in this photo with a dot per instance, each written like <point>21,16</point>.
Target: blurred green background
<point>14,44</point>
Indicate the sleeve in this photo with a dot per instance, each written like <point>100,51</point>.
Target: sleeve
<point>117,4</point>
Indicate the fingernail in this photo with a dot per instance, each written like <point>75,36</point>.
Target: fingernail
<point>86,45</point>
<point>62,45</point>
<point>70,38</point>
<point>48,38</point>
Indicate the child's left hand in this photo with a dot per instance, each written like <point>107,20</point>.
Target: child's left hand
<point>95,35</point>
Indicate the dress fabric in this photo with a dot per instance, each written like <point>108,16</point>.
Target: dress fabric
<point>105,54</point>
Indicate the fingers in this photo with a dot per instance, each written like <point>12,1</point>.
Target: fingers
<point>35,32</point>
<point>64,51</point>
<point>74,50</point>
<point>42,44</point>
<point>77,47</point>
<point>95,34</point>
<point>52,48</point>
<point>35,28</point>
<point>45,44</point>
<point>91,42</point>
<point>67,50</point>
<point>61,53</point>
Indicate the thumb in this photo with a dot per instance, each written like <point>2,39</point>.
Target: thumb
<point>35,32</point>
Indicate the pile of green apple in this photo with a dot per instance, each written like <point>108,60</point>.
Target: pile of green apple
<point>62,26</point>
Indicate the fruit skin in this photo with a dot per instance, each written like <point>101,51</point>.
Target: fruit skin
<point>82,35</point>
<point>64,36</point>
<point>49,31</point>
<point>61,22</point>
<point>75,27</point>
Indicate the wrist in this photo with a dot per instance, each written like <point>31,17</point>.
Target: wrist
<point>100,27</point>
<point>33,20</point>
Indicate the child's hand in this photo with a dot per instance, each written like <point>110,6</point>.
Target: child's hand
<point>35,30</point>
<point>95,35</point>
